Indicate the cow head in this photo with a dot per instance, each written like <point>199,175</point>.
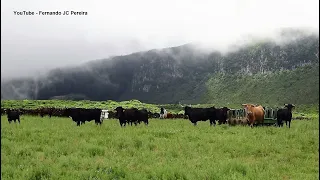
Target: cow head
<point>187,110</point>
<point>225,109</point>
<point>248,108</point>
<point>119,111</point>
<point>289,106</point>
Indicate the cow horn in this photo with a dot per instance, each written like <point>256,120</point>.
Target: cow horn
<point>244,104</point>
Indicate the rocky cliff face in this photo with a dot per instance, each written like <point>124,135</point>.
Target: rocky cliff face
<point>165,76</point>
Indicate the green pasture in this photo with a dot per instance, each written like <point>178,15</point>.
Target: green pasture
<point>44,148</point>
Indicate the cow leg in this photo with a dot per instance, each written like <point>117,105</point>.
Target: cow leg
<point>122,123</point>
<point>9,121</point>
<point>213,122</point>
<point>96,121</point>
<point>286,123</point>
<point>281,123</point>
<point>289,123</point>
<point>78,123</point>
<point>19,120</point>
<point>278,123</point>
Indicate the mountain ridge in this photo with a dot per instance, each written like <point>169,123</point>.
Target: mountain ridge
<point>168,75</point>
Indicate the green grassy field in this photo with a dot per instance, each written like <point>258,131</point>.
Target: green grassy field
<point>43,148</point>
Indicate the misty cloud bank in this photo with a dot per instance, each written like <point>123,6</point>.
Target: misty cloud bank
<point>119,75</point>
<point>32,45</point>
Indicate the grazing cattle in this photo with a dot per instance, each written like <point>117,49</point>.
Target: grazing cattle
<point>169,116</point>
<point>236,117</point>
<point>80,115</point>
<point>143,116</point>
<point>153,115</point>
<point>132,115</point>
<point>46,111</point>
<point>13,115</point>
<point>163,113</point>
<point>255,114</point>
<point>201,114</point>
<point>3,111</point>
<point>285,115</point>
<point>222,115</point>
<point>121,116</point>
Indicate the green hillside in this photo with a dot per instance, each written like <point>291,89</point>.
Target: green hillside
<point>299,86</point>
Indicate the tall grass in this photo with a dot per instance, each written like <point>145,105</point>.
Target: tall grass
<point>44,148</point>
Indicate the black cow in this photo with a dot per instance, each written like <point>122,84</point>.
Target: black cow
<point>121,116</point>
<point>285,115</point>
<point>222,115</point>
<point>46,111</point>
<point>80,115</point>
<point>201,114</point>
<point>132,115</point>
<point>13,115</point>
<point>143,116</point>
<point>3,111</point>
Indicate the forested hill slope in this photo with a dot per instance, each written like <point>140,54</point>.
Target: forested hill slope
<point>261,72</point>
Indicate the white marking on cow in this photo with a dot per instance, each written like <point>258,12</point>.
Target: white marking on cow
<point>104,115</point>
<point>164,115</point>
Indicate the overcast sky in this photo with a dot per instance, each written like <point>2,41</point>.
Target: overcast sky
<point>33,43</point>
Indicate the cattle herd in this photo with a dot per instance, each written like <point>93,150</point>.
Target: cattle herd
<point>254,115</point>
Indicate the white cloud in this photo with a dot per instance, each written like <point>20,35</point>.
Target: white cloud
<point>30,43</point>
